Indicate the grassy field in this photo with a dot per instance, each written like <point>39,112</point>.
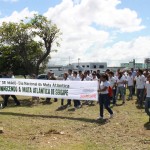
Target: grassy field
<point>44,127</point>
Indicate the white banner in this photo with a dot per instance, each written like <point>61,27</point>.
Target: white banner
<point>80,90</point>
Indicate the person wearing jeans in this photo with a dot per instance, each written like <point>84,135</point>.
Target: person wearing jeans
<point>112,81</point>
<point>120,87</point>
<point>104,97</point>
<point>130,82</point>
<point>140,85</point>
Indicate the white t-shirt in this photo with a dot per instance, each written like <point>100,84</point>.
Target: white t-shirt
<point>88,78</point>
<point>119,84</point>
<point>112,82</point>
<point>76,79</point>
<point>130,80</point>
<point>66,79</point>
<point>147,86</point>
<point>70,77</point>
<point>94,79</point>
<point>140,81</point>
<point>103,85</point>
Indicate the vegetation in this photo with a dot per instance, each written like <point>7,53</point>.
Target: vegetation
<point>21,51</point>
<point>44,127</point>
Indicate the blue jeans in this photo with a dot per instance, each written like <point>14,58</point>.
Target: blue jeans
<point>120,90</point>
<point>130,91</point>
<point>104,101</point>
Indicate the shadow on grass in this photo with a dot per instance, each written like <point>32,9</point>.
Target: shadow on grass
<point>62,108</point>
<point>147,126</point>
<point>26,103</point>
<point>100,122</point>
<point>139,107</point>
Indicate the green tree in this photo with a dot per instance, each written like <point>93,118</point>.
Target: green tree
<point>19,47</point>
<point>48,32</point>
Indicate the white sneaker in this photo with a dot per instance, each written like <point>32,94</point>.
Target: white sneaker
<point>111,116</point>
<point>100,118</point>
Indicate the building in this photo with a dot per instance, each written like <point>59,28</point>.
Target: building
<point>60,69</point>
<point>90,66</point>
<point>132,65</point>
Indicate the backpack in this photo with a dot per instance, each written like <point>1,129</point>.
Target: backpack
<point>110,91</point>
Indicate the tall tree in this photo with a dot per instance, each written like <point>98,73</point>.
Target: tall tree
<point>48,32</point>
<point>19,44</point>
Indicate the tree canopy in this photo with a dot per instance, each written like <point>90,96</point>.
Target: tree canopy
<point>25,47</point>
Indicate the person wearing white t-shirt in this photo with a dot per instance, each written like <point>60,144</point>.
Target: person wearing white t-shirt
<point>147,87</point>
<point>77,103</point>
<point>70,75</point>
<point>70,78</point>
<point>140,85</point>
<point>147,94</point>
<point>87,77</point>
<point>104,97</point>
<point>112,81</point>
<point>94,77</point>
<point>65,78</point>
<point>130,83</point>
<point>120,87</point>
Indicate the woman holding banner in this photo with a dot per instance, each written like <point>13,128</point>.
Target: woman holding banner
<point>104,97</point>
<point>65,78</point>
<point>77,103</point>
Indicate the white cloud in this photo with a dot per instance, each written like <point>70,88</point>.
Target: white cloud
<point>101,12</point>
<point>81,39</point>
<point>17,16</point>
<point>121,51</point>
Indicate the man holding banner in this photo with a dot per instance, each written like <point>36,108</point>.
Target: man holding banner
<point>6,97</point>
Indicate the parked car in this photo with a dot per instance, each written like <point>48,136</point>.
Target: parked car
<point>60,77</point>
<point>42,76</point>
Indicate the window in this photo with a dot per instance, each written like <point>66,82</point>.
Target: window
<point>94,66</point>
<point>101,66</point>
<point>87,66</point>
<point>83,66</point>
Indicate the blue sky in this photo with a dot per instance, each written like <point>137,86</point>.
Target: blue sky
<point>8,6</point>
<point>112,31</point>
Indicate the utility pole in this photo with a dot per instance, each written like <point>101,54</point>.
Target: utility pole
<point>133,63</point>
<point>78,61</point>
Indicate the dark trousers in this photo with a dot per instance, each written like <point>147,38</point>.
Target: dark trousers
<point>13,96</point>
<point>48,100</point>
<point>76,103</point>
<point>68,102</point>
<point>140,96</point>
<point>134,85</point>
<point>104,101</point>
<point>114,96</point>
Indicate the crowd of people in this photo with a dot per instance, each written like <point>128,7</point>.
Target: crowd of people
<point>112,86</point>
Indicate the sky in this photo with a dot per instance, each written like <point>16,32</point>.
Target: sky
<point>112,31</point>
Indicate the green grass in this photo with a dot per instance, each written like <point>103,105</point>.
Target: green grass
<point>42,127</point>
